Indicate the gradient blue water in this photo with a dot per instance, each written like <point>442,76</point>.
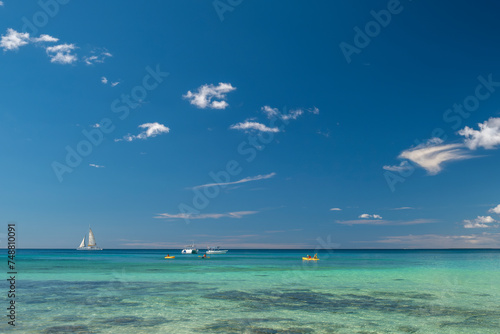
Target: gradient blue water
<point>257,291</point>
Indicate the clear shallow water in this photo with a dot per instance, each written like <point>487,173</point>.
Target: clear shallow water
<point>257,291</point>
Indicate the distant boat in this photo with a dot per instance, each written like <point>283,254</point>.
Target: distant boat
<point>191,249</point>
<point>91,245</point>
<point>211,250</point>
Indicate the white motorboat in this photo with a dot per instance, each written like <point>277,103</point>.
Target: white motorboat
<point>217,250</point>
<point>191,249</point>
<point>91,244</point>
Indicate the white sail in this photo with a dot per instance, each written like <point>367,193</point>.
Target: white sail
<point>91,239</point>
<point>83,243</point>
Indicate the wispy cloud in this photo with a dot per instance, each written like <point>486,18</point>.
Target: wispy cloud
<point>433,154</point>
<point>1,3</point>
<point>210,96</point>
<point>105,81</point>
<point>369,216</point>
<point>237,214</point>
<point>385,222</point>
<point>480,222</point>
<point>152,130</point>
<point>402,167</point>
<point>335,209</point>
<point>248,126</point>
<point>488,135</point>
<point>292,114</point>
<point>98,55</point>
<point>244,180</point>
<point>96,166</point>
<point>404,208</point>
<point>62,53</point>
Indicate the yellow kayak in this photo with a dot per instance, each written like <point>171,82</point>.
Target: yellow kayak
<point>309,259</point>
<point>170,257</point>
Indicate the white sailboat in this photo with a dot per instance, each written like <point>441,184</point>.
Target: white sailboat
<point>91,245</point>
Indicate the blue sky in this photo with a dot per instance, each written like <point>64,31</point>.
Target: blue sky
<point>251,124</point>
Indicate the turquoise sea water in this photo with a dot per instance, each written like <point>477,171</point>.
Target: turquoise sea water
<point>256,291</point>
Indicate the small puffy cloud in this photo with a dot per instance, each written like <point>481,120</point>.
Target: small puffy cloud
<point>433,154</point>
<point>13,40</point>
<point>62,53</point>
<point>368,216</point>
<point>237,214</point>
<point>479,222</point>
<point>152,130</point>
<point>210,96</point>
<point>44,39</point>
<point>113,84</point>
<point>248,126</point>
<point>335,209</point>
<point>96,166</point>
<point>488,135</point>
<point>495,209</point>
<point>104,80</point>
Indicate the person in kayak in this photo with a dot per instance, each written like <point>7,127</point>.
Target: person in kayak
<point>204,256</point>
<point>316,256</point>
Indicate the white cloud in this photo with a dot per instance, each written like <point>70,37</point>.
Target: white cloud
<point>335,209</point>
<point>404,208</point>
<point>113,84</point>
<point>292,114</point>
<point>479,222</point>
<point>62,53</point>
<point>206,95</point>
<point>13,40</point>
<point>246,179</point>
<point>152,130</point>
<point>495,209</point>
<point>104,80</point>
<point>385,222</point>
<point>247,126</point>
<point>488,135</point>
<point>97,56</point>
<point>96,166</point>
<point>403,166</point>
<point>44,38</point>
<point>1,3</point>
<point>432,154</point>
<point>237,214</point>
<point>368,216</point>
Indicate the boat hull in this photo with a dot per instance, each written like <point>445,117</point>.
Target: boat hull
<point>189,251</point>
<point>216,251</point>
<point>87,248</point>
